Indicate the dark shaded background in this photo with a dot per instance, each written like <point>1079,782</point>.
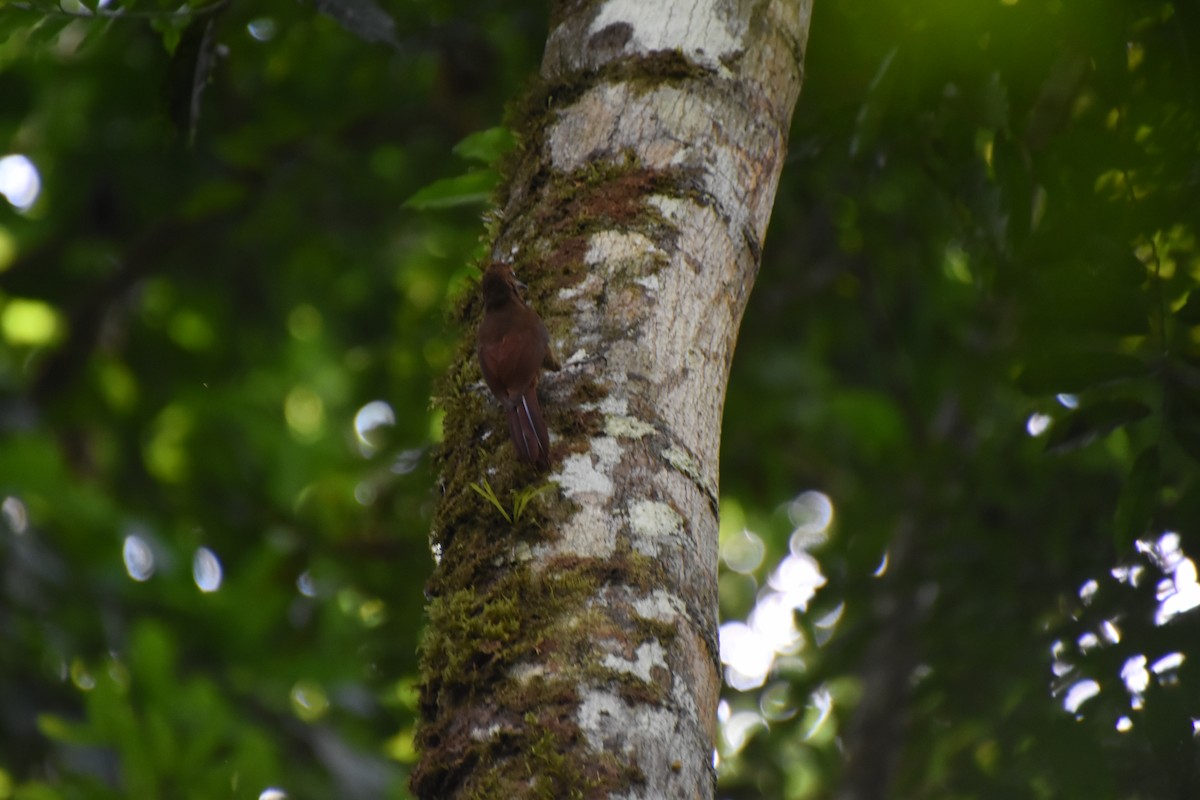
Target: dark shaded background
<point>988,214</point>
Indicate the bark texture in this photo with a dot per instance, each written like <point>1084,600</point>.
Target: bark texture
<point>573,651</point>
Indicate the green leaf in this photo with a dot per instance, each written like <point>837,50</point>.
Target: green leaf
<point>171,29</point>
<point>1084,426</point>
<point>523,497</point>
<point>12,22</point>
<point>1137,500</point>
<point>58,729</point>
<point>47,29</point>
<point>485,490</point>
<point>1190,311</point>
<point>474,187</point>
<point>95,32</point>
<point>486,146</point>
<point>1052,373</point>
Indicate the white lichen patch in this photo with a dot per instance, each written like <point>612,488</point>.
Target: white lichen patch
<point>604,716</point>
<point>613,405</point>
<point>589,534</point>
<point>659,605</point>
<point>646,657</point>
<point>654,525</point>
<point>588,479</point>
<point>653,520</point>
<point>673,209</point>
<point>578,357</point>
<point>607,246</point>
<point>625,427</point>
<point>649,282</point>
<point>702,32</point>
<point>590,473</point>
<point>488,733</point>
<point>600,711</point>
<point>610,405</point>
<point>586,286</point>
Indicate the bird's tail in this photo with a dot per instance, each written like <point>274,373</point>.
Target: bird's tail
<point>528,429</point>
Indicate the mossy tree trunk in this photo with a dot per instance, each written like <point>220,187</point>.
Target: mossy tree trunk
<point>572,652</point>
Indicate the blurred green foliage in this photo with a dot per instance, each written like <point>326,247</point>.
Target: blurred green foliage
<point>974,331</point>
<point>252,221</point>
<point>189,334</point>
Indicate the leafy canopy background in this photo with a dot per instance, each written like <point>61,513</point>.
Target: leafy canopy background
<point>974,332</point>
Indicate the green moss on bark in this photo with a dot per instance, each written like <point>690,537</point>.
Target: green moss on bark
<point>502,666</point>
<point>509,647</point>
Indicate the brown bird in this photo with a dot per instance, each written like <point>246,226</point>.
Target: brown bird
<point>513,347</point>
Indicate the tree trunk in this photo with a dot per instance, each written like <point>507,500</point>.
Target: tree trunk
<point>573,651</point>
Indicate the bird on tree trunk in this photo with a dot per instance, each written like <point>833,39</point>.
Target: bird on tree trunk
<point>513,347</point>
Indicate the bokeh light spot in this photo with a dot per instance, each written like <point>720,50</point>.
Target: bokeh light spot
<point>1135,674</point>
<point>8,249</point>
<point>15,515</point>
<point>368,421</point>
<point>262,29</point>
<point>206,570</point>
<point>309,701</point>
<point>436,421</point>
<point>1079,694</point>
<point>775,702</point>
<point>1168,662</point>
<point>191,330</point>
<point>407,461</point>
<point>365,493</point>
<point>373,612</point>
<point>773,619</point>
<point>81,676</point>
<point>732,518</point>
<point>743,552</point>
<point>20,182</point>
<point>819,712</point>
<point>1088,590</point>
<point>304,322</point>
<point>1037,424</point>
<point>798,577</point>
<point>138,557</point>
<point>420,289</point>
<point>401,747</point>
<point>747,654</point>
<point>165,453</point>
<point>30,322</point>
<point>811,513</point>
<point>739,728</point>
<point>956,265</point>
<point>304,411</point>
